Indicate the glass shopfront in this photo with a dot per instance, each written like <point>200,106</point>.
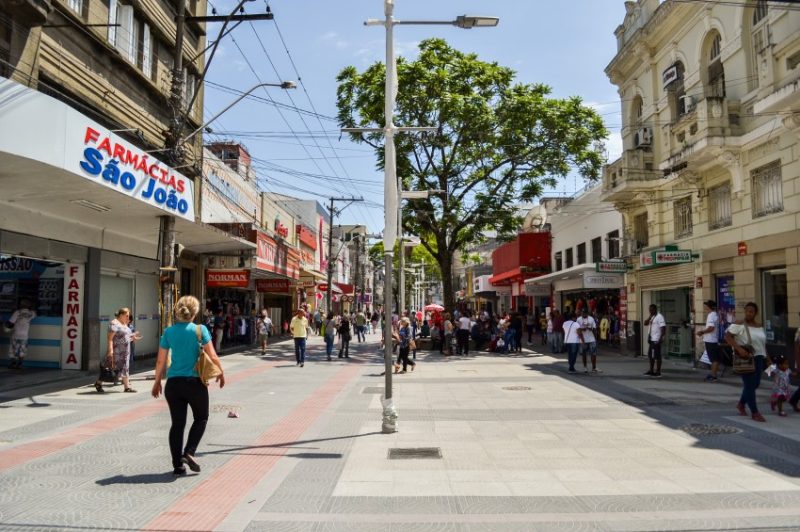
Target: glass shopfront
<point>40,284</point>
<point>774,311</point>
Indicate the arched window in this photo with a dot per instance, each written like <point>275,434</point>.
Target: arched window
<point>715,70</point>
<point>636,111</point>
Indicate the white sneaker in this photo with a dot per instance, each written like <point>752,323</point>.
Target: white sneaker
<point>585,369</point>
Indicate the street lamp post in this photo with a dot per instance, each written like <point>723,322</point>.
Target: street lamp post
<point>390,188</point>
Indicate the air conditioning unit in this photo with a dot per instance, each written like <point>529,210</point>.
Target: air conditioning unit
<point>643,137</point>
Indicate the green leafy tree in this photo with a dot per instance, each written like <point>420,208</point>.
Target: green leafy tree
<point>418,255</point>
<point>499,142</point>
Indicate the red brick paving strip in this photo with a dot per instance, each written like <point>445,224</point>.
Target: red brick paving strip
<point>26,452</point>
<point>205,507</point>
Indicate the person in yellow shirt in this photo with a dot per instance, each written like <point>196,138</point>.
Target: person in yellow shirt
<point>299,329</point>
<point>605,327</point>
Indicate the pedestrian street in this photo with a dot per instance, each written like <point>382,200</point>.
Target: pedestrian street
<point>489,442</point>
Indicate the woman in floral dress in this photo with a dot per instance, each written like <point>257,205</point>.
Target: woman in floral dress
<point>118,356</point>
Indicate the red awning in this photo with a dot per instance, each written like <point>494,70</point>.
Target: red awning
<point>346,289</point>
<point>509,277</point>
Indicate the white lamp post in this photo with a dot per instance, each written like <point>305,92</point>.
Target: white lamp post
<point>390,189</point>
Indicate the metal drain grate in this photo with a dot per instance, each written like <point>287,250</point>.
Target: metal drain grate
<point>517,388</point>
<point>702,429</point>
<point>415,453</point>
<point>225,408</point>
<point>373,389</point>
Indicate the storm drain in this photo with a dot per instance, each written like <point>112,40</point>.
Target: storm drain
<point>415,453</point>
<point>225,408</point>
<point>373,389</point>
<point>517,388</point>
<point>702,429</point>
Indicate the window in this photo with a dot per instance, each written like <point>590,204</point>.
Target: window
<point>126,34</point>
<point>569,258</point>
<point>613,244</point>
<point>76,6</point>
<point>638,109</point>
<point>719,206</point>
<point>716,72</point>
<point>775,306</point>
<point>147,51</point>
<point>112,21</point>
<point>767,189</point>
<point>597,249</point>
<point>640,231</point>
<point>760,12</point>
<point>582,253</point>
<point>559,261</point>
<point>683,217</point>
<point>677,93</point>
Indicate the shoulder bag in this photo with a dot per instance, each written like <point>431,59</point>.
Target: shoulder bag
<point>206,369</point>
<point>745,365</point>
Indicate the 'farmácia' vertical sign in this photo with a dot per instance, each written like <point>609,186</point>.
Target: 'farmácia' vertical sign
<point>72,331</point>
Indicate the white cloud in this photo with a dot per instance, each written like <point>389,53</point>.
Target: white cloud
<point>614,146</point>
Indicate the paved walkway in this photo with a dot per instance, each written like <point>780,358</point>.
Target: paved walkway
<point>519,444</point>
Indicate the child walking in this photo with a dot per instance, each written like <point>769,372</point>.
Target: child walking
<point>780,384</point>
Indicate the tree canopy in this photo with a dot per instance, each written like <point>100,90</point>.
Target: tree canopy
<point>499,142</point>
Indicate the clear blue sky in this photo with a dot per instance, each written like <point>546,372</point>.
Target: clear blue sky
<point>563,44</point>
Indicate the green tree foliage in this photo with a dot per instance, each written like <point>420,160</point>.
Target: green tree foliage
<point>500,142</point>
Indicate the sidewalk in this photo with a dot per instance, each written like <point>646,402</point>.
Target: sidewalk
<point>486,442</point>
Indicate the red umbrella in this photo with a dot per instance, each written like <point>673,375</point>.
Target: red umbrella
<point>433,307</point>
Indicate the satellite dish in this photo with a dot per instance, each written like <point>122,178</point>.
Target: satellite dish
<point>537,220</point>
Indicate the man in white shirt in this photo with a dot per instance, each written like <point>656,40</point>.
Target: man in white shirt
<point>657,330</point>
<point>710,336</point>
<point>588,327</point>
<point>462,335</point>
<point>20,320</point>
<point>572,339</point>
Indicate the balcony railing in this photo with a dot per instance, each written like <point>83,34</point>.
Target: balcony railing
<point>632,172</point>
<point>696,134</point>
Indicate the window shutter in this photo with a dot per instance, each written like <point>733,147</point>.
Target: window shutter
<point>112,19</point>
<point>147,52</point>
<point>125,33</point>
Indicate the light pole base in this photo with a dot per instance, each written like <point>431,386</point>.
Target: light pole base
<point>389,422</point>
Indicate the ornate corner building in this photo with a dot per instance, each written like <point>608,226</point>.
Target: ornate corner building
<point>709,178</point>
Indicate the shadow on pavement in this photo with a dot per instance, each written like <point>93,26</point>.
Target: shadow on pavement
<point>146,478</point>
<point>291,444</point>
<point>706,412</point>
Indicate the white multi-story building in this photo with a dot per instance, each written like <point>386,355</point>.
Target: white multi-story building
<point>708,179</point>
<point>585,236</point>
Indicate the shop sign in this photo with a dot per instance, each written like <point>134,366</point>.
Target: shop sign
<point>611,266</point>
<point>306,237</point>
<point>741,249</point>
<point>114,163</point>
<point>664,257</point>
<point>280,286</point>
<point>698,282</point>
<point>273,257</point>
<point>602,280</point>
<point>281,229</point>
<point>482,284</point>
<point>306,284</point>
<point>672,257</point>
<point>669,75</point>
<point>72,332</point>
<point>365,298</point>
<point>16,265</point>
<point>322,287</point>
<point>227,278</point>
<point>537,289</point>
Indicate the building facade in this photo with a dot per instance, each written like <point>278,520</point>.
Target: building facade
<point>85,196</point>
<point>708,180</point>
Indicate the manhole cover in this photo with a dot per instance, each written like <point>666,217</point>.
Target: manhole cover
<point>373,389</point>
<point>517,388</point>
<point>702,429</point>
<point>225,408</point>
<point>415,453</point>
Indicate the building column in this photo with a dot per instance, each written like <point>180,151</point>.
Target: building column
<point>91,345</point>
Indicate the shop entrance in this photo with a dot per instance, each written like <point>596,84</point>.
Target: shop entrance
<point>676,306</point>
<point>775,312</point>
<point>39,284</point>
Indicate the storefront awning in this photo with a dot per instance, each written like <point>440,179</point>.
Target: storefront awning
<point>60,182</point>
<point>507,278</point>
<point>346,289</point>
<point>586,273</point>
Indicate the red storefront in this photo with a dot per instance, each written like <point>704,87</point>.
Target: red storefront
<point>526,257</point>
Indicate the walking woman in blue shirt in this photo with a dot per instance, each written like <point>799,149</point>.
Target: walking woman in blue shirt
<point>184,387</point>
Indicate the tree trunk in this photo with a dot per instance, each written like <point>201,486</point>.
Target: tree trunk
<point>446,267</point>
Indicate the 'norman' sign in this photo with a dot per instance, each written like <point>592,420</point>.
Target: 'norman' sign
<point>227,278</point>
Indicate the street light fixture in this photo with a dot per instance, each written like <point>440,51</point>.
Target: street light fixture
<point>282,85</point>
<point>390,189</point>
